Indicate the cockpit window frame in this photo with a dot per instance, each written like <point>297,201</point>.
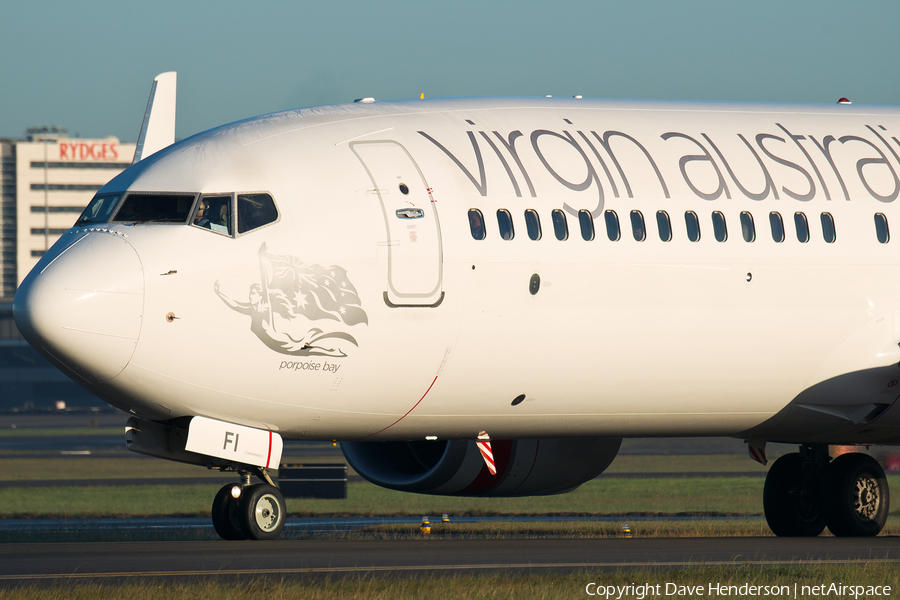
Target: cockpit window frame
<point>232,217</point>
<point>82,220</point>
<point>126,196</point>
<point>237,231</point>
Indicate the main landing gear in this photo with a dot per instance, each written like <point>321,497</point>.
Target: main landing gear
<point>804,493</point>
<point>243,511</point>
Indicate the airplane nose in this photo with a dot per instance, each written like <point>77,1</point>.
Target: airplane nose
<point>83,308</point>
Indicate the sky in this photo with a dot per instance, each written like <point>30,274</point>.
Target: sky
<point>88,65</point>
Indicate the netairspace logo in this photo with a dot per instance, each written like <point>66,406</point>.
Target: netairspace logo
<point>643,591</point>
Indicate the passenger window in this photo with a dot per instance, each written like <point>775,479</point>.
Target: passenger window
<point>476,224</point>
<point>692,222</point>
<point>748,229</point>
<point>254,211</point>
<point>720,231</point>
<point>533,224</point>
<point>637,226</point>
<point>828,228</point>
<point>612,225</point>
<point>665,225</point>
<point>155,208</point>
<point>881,228</point>
<point>777,225</point>
<point>802,227</point>
<point>99,210</point>
<point>560,225</point>
<point>586,221</point>
<point>214,213</point>
<point>504,221</point>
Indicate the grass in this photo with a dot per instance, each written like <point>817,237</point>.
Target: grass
<point>61,432</point>
<point>537,529</point>
<point>690,528</point>
<point>651,496</point>
<point>134,466</point>
<point>487,586</point>
<point>92,467</point>
<point>710,463</point>
<point>115,501</point>
<point>682,496</point>
<point>97,467</point>
<point>66,531</point>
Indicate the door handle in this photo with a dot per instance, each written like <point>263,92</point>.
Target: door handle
<point>410,213</point>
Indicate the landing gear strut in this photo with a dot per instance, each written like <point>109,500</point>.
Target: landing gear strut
<point>242,511</point>
<point>804,493</point>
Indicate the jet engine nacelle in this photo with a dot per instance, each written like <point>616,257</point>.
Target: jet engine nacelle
<point>525,467</point>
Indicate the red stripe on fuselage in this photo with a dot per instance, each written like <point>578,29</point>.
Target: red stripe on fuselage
<point>407,412</point>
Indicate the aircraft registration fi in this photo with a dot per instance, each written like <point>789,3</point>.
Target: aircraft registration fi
<point>552,274</point>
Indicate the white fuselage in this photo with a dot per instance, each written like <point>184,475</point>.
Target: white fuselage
<point>788,341</point>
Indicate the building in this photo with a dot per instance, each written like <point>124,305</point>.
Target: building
<point>46,180</point>
<point>8,237</point>
<point>55,178</point>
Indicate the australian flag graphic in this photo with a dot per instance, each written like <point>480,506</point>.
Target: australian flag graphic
<point>313,291</point>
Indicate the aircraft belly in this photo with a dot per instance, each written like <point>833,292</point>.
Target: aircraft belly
<point>594,353</point>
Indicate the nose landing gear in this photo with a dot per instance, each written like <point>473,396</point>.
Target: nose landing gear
<point>804,493</point>
<point>262,512</point>
<point>244,511</point>
<point>225,513</point>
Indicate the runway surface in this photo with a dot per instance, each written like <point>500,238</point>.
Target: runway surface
<point>300,526</point>
<point>22,563</point>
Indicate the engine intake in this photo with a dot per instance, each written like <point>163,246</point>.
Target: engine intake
<point>525,467</point>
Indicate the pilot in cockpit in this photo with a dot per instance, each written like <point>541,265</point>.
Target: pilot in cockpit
<point>200,219</point>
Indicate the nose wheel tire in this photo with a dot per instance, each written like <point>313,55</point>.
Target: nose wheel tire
<point>791,499</point>
<point>856,496</point>
<point>262,512</point>
<point>226,515</point>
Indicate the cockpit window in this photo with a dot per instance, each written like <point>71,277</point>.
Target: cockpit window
<point>99,210</point>
<point>155,208</point>
<point>214,213</point>
<point>254,211</point>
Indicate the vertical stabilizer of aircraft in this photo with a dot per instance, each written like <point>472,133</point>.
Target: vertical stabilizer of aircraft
<point>158,128</point>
